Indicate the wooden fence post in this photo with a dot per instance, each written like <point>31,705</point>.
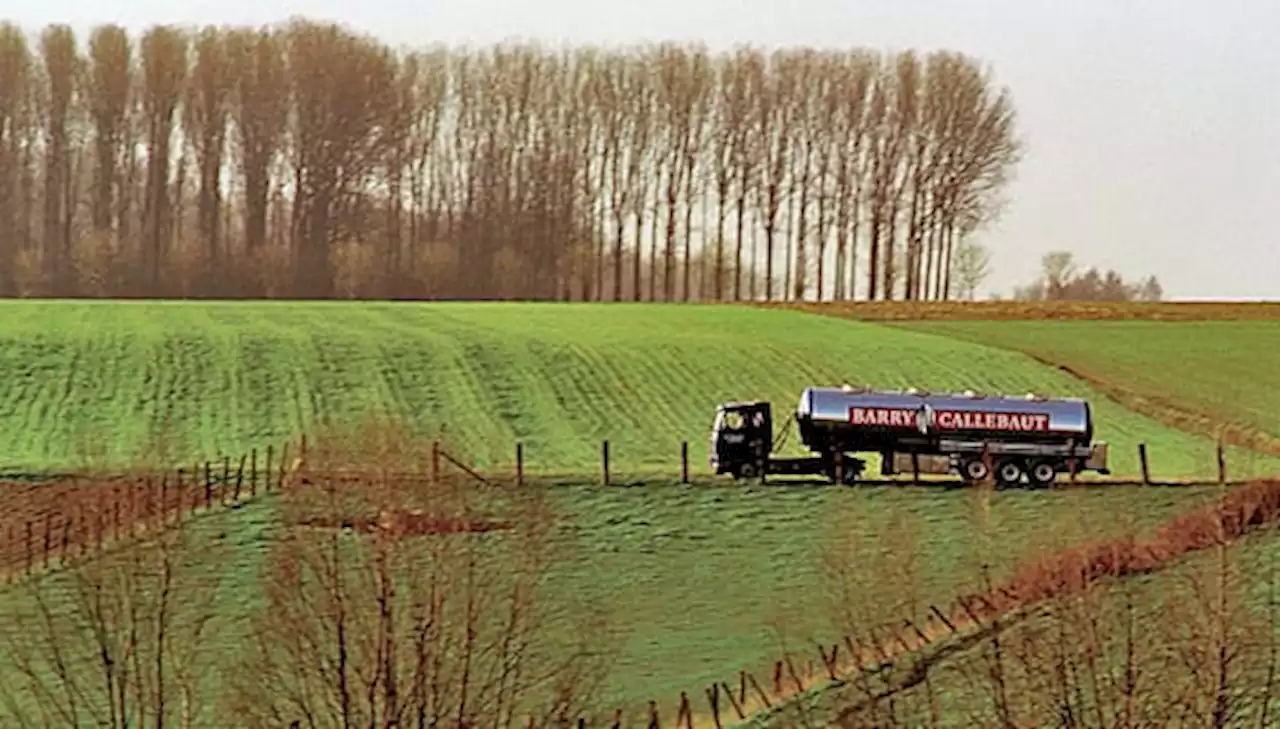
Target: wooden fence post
<point>713,699</point>
<point>164,499</point>
<point>208,487</point>
<point>1071,460</point>
<point>1222,461</point>
<point>226,479</point>
<point>684,462</point>
<point>253,472</point>
<point>519,464</point>
<point>266,469</point>
<point>435,461</point>
<point>604,461</point>
<point>284,463</point>
<point>1142,460</point>
<point>239,477</point>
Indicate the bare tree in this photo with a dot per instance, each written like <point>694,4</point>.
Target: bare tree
<point>164,73</point>
<point>405,603</point>
<point>16,65</point>
<point>62,67</point>
<point>305,156</point>
<point>205,120</point>
<point>122,641</point>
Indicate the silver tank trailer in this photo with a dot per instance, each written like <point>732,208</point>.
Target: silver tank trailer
<point>828,408</point>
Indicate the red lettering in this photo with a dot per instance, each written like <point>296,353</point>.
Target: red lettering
<point>976,420</point>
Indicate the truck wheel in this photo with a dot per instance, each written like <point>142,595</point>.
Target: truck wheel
<point>1009,473</point>
<point>974,470</point>
<point>747,470</point>
<point>1042,474</point>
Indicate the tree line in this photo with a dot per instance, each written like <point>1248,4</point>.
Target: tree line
<point>307,160</point>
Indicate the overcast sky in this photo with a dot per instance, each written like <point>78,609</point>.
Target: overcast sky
<point>1152,127</point>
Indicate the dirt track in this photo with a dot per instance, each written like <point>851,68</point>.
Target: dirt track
<point>1037,310</point>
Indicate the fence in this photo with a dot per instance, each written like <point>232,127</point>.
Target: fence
<point>611,468</point>
<point>82,514</point>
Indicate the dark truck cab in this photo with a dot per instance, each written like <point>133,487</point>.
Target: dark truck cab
<point>742,446</point>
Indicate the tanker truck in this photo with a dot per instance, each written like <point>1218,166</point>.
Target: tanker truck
<point>976,436</point>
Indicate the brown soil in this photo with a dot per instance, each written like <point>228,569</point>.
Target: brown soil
<point>1008,310</point>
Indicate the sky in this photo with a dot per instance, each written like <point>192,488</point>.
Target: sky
<point>1151,127</point>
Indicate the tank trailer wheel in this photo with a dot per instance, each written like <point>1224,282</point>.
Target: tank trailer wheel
<point>747,471</point>
<point>1009,473</point>
<point>1042,474</point>
<point>974,470</point>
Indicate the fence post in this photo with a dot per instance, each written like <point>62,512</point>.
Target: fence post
<point>1142,460</point>
<point>284,462</point>
<point>253,472</point>
<point>239,477</point>
<point>519,464</point>
<point>266,469</point>
<point>1222,461</point>
<point>208,487</point>
<point>1071,460</point>
<point>164,499</point>
<point>684,462</point>
<point>226,479</point>
<point>604,461</point>
<point>713,698</point>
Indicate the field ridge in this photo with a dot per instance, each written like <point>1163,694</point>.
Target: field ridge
<point>1170,311</point>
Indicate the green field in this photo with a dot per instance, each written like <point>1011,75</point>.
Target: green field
<point>695,575</point>
<point>216,378</point>
<point>695,578</point>
<point>1218,368</point>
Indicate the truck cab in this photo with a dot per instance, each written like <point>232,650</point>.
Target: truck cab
<point>741,438</point>
<point>742,446</point>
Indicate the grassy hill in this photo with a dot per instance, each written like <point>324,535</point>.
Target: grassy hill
<point>224,377</point>
<point>729,562</point>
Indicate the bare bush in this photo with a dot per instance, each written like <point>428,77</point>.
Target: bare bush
<point>422,618</point>
<point>121,641</point>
